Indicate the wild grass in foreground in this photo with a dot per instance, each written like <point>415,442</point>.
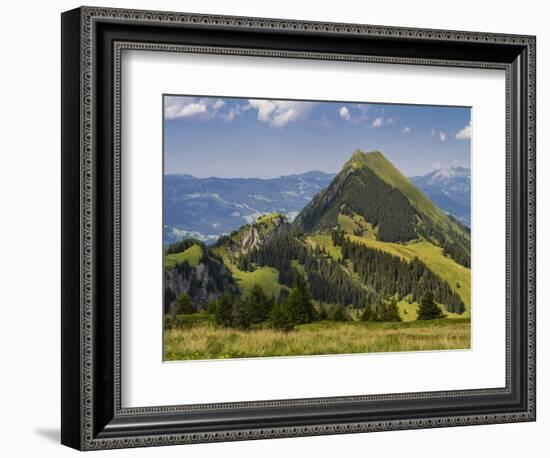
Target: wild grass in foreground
<point>204,340</point>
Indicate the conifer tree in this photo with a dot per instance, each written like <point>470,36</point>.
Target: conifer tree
<point>224,310</point>
<point>259,304</point>
<point>299,301</point>
<point>281,317</point>
<point>390,312</point>
<point>428,309</point>
<point>242,314</point>
<point>184,304</point>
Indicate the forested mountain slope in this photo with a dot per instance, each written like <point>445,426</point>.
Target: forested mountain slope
<point>369,237</point>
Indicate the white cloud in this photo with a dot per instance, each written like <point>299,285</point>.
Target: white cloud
<point>344,113</point>
<point>364,114</point>
<point>218,104</point>
<point>233,112</point>
<point>230,115</point>
<point>355,114</point>
<point>406,130</point>
<point>433,132</point>
<point>381,121</point>
<point>278,113</point>
<point>378,122</point>
<point>190,110</point>
<point>191,107</point>
<point>465,133</point>
<point>442,136</point>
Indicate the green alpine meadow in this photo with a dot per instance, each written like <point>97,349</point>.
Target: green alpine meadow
<point>369,263</point>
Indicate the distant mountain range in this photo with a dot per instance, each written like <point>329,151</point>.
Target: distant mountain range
<point>205,208</point>
<point>449,189</point>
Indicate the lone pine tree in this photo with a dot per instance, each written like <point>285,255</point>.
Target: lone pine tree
<point>428,309</point>
<point>299,301</point>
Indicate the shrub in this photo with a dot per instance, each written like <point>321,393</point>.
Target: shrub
<point>368,314</point>
<point>281,317</point>
<point>338,313</point>
<point>184,304</point>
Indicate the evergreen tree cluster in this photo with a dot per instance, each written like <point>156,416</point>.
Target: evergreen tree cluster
<point>257,307</point>
<point>183,245</point>
<point>327,280</point>
<point>242,312</point>
<point>390,275</point>
<point>329,283</point>
<point>278,253</point>
<point>385,207</point>
<point>383,311</point>
<point>457,247</point>
<point>428,309</point>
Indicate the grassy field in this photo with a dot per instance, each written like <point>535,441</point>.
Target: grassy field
<point>325,241</point>
<point>203,340</point>
<point>192,255</point>
<point>409,312</point>
<point>266,276</point>
<point>357,222</point>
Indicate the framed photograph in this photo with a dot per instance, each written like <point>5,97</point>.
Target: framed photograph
<point>276,228</point>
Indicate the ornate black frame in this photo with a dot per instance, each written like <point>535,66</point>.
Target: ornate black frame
<point>92,42</point>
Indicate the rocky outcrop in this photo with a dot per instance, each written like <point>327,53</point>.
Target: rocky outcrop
<point>257,234</point>
<point>204,282</point>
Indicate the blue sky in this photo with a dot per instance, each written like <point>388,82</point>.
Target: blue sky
<point>263,138</point>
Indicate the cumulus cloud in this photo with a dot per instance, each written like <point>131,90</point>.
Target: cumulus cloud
<point>218,104</point>
<point>378,122</point>
<point>233,112</point>
<point>230,115</point>
<point>355,113</point>
<point>191,107</point>
<point>406,130</point>
<point>381,121</point>
<point>433,132</point>
<point>278,113</point>
<point>344,113</point>
<point>365,114</point>
<point>465,133</point>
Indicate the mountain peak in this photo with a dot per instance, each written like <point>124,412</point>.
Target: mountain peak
<point>361,159</point>
<point>376,163</point>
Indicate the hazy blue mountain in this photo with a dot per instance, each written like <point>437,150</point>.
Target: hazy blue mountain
<point>205,208</point>
<point>449,189</point>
